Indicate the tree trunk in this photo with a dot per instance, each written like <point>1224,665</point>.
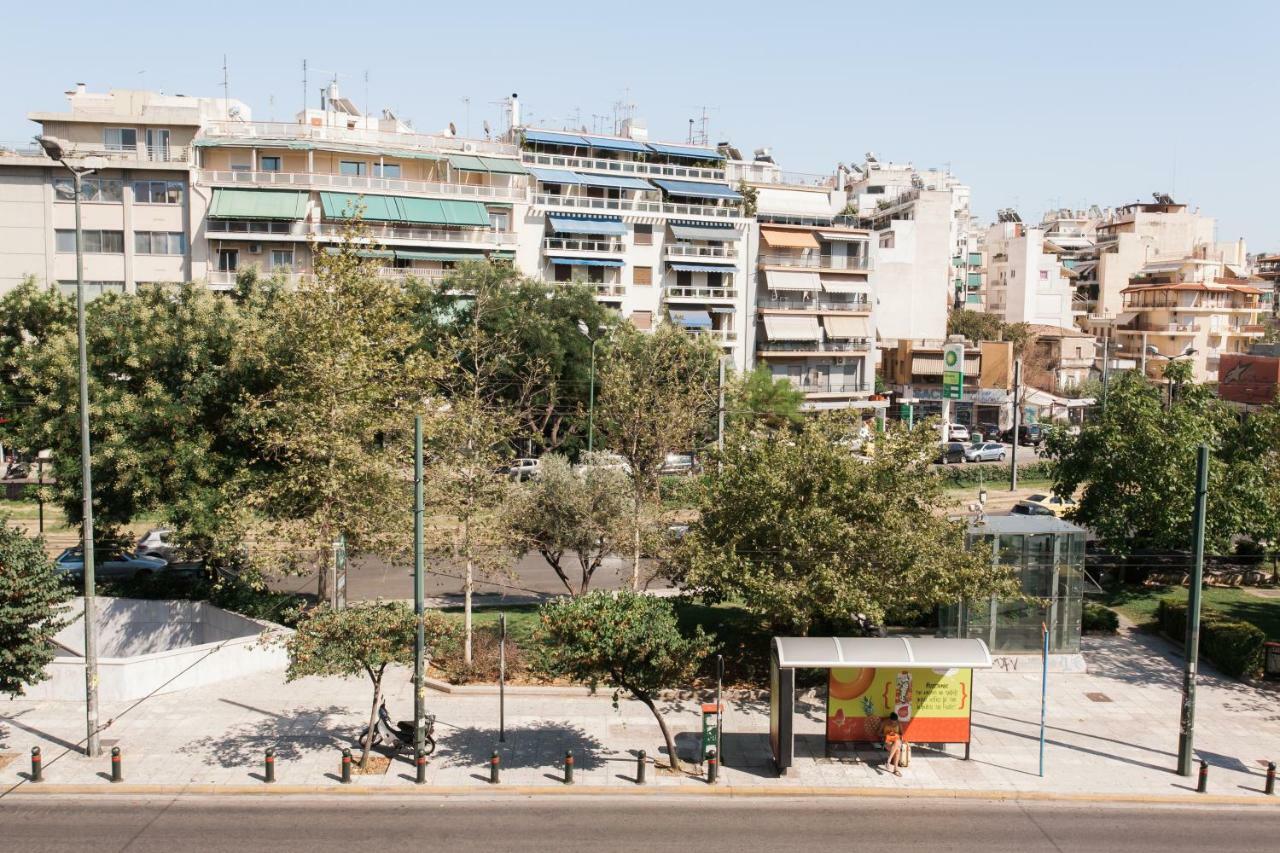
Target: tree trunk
<point>635,554</point>
<point>466,615</point>
<point>322,588</point>
<point>662,724</point>
<point>373,716</point>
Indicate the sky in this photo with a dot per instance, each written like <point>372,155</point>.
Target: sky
<point>1034,105</point>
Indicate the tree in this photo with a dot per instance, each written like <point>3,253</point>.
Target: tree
<point>804,533</point>
<point>657,394</point>
<point>975,325</point>
<point>362,639</point>
<point>31,610</point>
<point>331,434</point>
<point>625,640</point>
<point>29,316</point>
<point>759,398</point>
<point>566,515</point>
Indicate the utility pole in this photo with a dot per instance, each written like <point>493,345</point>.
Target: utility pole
<point>720,412</point>
<point>1191,648</point>
<point>419,594</point>
<point>1106,368</point>
<point>1017,412</point>
<point>591,405</point>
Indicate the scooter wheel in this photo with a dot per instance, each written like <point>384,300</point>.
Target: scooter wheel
<point>430,744</point>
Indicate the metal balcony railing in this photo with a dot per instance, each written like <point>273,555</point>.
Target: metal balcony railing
<point>633,205</point>
<point>725,336</point>
<point>419,142</point>
<point>360,184</point>
<point>422,233</point>
<point>854,345</point>
<point>687,250</point>
<point>830,385</point>
<point>784,304</point>
<point>700,294</point>
<point>816,262</point>
<point>621,167</point>
<point>571,244</point>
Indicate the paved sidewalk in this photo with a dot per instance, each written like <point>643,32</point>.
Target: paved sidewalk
<point>1111,731</point>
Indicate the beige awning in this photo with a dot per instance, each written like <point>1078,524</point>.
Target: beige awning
<point>926,365</point>
<point>792,280</point>
<point>776,238</point>
<point>778,328</point>
<point>832,284</point>
<point>847,327</point>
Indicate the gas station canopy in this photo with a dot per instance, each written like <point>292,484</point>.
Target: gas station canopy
<point>913,652</point>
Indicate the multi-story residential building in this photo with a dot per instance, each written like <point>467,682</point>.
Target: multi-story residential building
<point>1059,359</point>
<point>1025,281</point>
<point>913,370</point>
<point>1267,268</point>
<point>1070,234</point>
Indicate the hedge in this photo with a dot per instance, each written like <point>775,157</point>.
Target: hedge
<point>1234,647</point>
<point>1099,619</point>
<point>969,475</point>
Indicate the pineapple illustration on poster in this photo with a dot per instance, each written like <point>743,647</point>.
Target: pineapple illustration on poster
<point>933,706</point>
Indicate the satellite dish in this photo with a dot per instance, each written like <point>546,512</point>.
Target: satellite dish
<point>234,112</point>
<point>453,131</point>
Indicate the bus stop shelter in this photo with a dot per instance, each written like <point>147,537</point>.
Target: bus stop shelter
<point>927,681</point>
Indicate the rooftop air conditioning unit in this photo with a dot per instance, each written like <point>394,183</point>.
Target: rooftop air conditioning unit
<point>255,248</point>
<point>469,147</point>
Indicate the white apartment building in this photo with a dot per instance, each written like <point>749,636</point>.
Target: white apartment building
<point>1025,280</point>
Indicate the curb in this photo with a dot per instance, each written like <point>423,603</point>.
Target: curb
<point>745,792</point>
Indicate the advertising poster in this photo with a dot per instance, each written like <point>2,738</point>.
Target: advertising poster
<point>933,706</point>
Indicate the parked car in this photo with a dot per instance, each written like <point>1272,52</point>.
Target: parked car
<point>602,459</point>
<point>679,463</point>
<point>958,432</point>
<point>113,564</point>
<point>988,451</point>
<point>952,451</point>
<point>523,469</point>
<point>156,543</point>
<point>1055,504</point>
<point>1031,435</point>
<point>1028,508</point>
<point>988,431</point>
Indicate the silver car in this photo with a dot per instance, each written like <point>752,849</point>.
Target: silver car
<point>988,451</point>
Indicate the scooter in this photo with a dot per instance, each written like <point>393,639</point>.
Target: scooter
<point>400,736</point>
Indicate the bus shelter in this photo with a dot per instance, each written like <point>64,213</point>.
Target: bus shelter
<point>927,681</point>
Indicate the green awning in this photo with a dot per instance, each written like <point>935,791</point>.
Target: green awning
<point>465,213</point>
<point>467,163</point>
<point>260,204</point>
<point>389,208</point>
<point>428,210</point>
<point>377,208</point>
<point>362,253</point>
<point>503,167</point>
<point>438,256</point>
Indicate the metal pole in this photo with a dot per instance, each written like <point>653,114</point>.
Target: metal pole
<point>591,405</point>
<point>40,495</point>
<point>92,747</point>
<point>1044,690</point>
<point>720,411</point>
<point>419,595</point>
<point>502,678</point>
<point>1106,368</point>
<point>1191,649</point>
<point>1017,413</point>
<point>1144,355</point>
<point>719,706</point>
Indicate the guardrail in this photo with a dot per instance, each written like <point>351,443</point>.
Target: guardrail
<point>814,304</point>
<point>855,345</point>
<point>621,167</point>
<point>267,131</point>
<point>699,294</point>
<point>629,205</point>
<point>361,184</point>
<point>859,263</point>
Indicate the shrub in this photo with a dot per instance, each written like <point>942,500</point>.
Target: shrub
<point>1099,619</point>
<point>1236,648</point>
<point>969,475</point>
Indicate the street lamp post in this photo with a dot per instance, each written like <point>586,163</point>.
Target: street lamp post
<point>591,394</point>
<point>57,150</point>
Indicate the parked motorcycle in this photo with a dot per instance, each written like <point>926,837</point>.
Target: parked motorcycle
<point>399,737</point>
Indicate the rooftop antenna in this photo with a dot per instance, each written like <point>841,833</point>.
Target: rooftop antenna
<point>690,138</point>
<point>271,108</point>
<point>597,122</point>
<point>226,88</point>
<point>467,103</point>
<point>304,88</point>
<point>365,110</point>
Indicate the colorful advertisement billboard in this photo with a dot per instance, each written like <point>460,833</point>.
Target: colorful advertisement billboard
<point>933,706</point>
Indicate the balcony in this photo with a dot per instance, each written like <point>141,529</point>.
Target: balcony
<point>352,183</point>
<point>272,131</point>
<point>140,153</point>
<point>611,290</point>
<point>685,250</point>
<point>224,279</point>
<point>1161,328</point>
<point>837,263</point>
<point>405,273</point>
<point>621,167</point>
<point>855,345</point>
<point>636,206</point>
<point>592,247</point>
<point>256,229</point>
<point>830,385</point>
<point>701,294</point>
<point>725,337</point>
<point>386,233</point>
<point>782,303</point>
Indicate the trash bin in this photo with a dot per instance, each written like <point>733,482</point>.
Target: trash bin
<point>1271,659</point>
<point>710,729</point>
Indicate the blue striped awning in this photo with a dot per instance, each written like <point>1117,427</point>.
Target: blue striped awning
<point>586,262</point>
<point>611,225</point>
<point>562,176</point>
<point>550,137</point>
<point>691,319</point>
<point>697,188</point>
<point>606,143</point>
<point>685,151</point>
<point>703,267</point>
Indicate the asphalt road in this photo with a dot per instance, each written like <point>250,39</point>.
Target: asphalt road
<point>280,825</point>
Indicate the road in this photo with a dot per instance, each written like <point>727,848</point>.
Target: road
<point>277,824</point>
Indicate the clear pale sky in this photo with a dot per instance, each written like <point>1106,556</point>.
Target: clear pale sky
<point>1035,105</point>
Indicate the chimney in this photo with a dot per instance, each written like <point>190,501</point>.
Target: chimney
<point>81,88</point>
<point>515,110</point>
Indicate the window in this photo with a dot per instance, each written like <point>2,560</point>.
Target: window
<point>228,260</point>
<point>91,189</point>
<point>95,242</point>
<point>563,272</point>
<point>269,164</point>
<point>499,220</point>
<point>886,240</point>
<point>1044,275</point>
<point>120,138</point>
<point>684,279</point>
<point>595,275</point>
<point>644,235</point>
<point>642,275</point>
<point>281,259</point>
<point>715,279</point>
<point>158,192</point>
<point>91,288</point>
<point>386,170</point>
<point>642,320</point>
<point>159,243</point>
<point>353,167</point>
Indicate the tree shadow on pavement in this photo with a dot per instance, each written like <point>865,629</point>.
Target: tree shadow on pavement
<point>540,744</point>
<point>292,734</point>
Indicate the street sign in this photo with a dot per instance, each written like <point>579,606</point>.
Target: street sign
<point>953,371</point>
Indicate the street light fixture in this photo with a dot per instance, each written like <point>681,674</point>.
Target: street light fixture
<point>59,149</point>
<point>591,404</point>
<point>1187,352</point>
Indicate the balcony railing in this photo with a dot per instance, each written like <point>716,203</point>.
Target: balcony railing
<point>631,205</point>
<point>784,304</point>
<point>817,262</point>
<point>854,345</point>
<point>685,250</point>
<point>725,336</point>
<point>227,278</point>
<point>830,385</point>
<point>352,183</point>
<point>569,244</point>
<point>621,167</point>
<point>268,131</point>
<point>603,289</point>
<point>256,227</point>
<point>1162,328</point>
<point>403,273</point>
<point>424,234</point>
<point>700,294</point>
<point>131,153</point>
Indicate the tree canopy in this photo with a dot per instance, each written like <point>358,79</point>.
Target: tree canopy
<point>759,398</point>
<point>31,610</point>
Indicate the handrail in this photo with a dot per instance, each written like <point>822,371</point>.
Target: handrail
<point>360,184</point>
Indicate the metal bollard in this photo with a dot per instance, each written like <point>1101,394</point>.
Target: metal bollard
<point>642,761</point>
<point>346,767</point>
<point>37,765</point>
<point>1203,784</point>
<point>493,768</point>
<point>420,762</point>
<point>116,774</point>
<point>269,768</point>
<point>712,766</point>
<point>1271,778</point>
<point>568,768</point>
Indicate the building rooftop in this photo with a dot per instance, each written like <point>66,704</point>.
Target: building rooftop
<point>1021,524</point>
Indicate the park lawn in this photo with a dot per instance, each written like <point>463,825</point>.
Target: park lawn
<point>1139,604</point>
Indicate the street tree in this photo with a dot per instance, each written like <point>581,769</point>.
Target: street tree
<point>658,394</point>
<point>975,325</point>
<point>627,641</point>
<point>804,533</point>
<point>759,398</point>
<point>29,316</point>
<point>573,517</point>
<point>31,610</point>
<point>363,639</point>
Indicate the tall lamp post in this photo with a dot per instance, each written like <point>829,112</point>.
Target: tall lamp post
<point>591,399</point>
<point>1151,351</point>
<point>58,149</point>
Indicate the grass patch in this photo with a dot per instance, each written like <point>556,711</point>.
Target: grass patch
<point>1139,605</point>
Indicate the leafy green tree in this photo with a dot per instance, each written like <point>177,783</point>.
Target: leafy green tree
<point>627,641</point>
<point>759,398</point>
<point>565,516</point>
<point>31,610</point>
<point>975,325</point>
<point>29,316</point>
<point>804,533</point>
<point>658,393</point>
<point>363,639</point>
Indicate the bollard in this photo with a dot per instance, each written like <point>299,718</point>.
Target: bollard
<point>493,768</point>
<point>269,769</point>
<point>712,766</point>
<point>641,762</point>
<point>568,768</point>
<point>1203,784</point>
<point>116,774</point>
<point>420,761</point>
<point>37,765</point>
<point>346,767</point>
<point>1271,778</point>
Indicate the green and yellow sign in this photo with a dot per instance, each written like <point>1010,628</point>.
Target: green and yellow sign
<point>953,371</point>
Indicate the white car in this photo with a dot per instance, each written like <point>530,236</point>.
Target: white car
<point>523,469</point>
<point>604,461</point>
<point>959,432</point>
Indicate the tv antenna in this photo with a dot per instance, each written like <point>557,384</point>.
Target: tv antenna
<point>226,88</point>
<point>467,104</point>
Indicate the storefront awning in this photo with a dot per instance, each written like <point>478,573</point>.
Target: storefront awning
<point>780,328</point>
<point>792,280</point>
<point>691,231</point>
<point>698,189</point>
<point>611,225</point>
<point>777,238</point>
<point>847,327</point>
<point>691,319</point>
<point>258,204</point>
<point>586,262</point>
<point>887,652</point>
<point>832,284</point>
<point>703,267</point>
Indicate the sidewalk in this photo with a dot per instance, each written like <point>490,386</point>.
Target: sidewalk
<point>1112,731</point>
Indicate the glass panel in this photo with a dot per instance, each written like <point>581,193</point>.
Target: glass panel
<point>173,192</point>
<point>64,189</point>
<point>113,190</point>
<point>270,164</point>
<point>142,242</point>
<point>65,241</point>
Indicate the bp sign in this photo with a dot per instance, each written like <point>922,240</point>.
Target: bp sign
<point>953,371</point>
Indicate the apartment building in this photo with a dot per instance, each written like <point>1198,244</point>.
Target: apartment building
<point>1267,268</point>
<point>913,370</point>
<point>1025,279</point>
